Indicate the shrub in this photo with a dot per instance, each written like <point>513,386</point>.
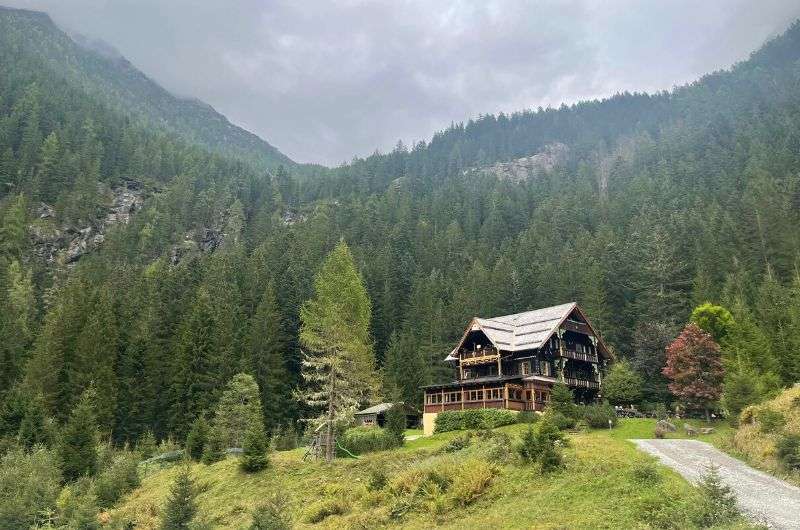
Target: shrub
<point>660,432</point>
<point>527,416</point>
<point>146,445</point>
<point>471,481</point>
<point>456,444</point>
<point>77,506</point>
<point>787,451</point>
<point>474,419</point>
<point>29,485</point>
<point>541,445</point>
<point>181,508</point>
<point>396,424</point>
<point>645,473</point>
<point>559,420</point>
<point>377,479</point>
<point>600,416</point>
<point>254,458</point>
<point>562,402</point>
<point>117,479</point>
<point>272,515</point>
<point>360,440</point>
<point>197,438</point>
<point>770,421</point>
<point>717,503</point>
<point>214,449</point>
<point>324,508</point>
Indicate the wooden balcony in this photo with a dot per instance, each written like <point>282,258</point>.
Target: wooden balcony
<point>581,383</point>
<point>578,356</point>
<point>482,356</point>
<point>577,327</point>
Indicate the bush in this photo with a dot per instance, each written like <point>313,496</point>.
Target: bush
<point>660,432</point>
<point>360,440</point>
<point>272,515</point>
<point>600,416</point>
<point>117,479</point>
<point>29,486</point>
<point>787,451</point>
<point>459,420</point>
<point>471,481</point>
<point>541,445</point>
<point>197,438</point>
<point>146,445</point>
<point>527,416</point>
<point>396,424</point>
<point>717,502</point>
<point>377,479</point>
<point>559,420</point>
<point>324,508</point>
<point>181,507</point>
<point>77,506</point>
<point>645,473</point>
<point>456,444</point>
<point>254,458</point>
<point>770,421</point>
<point>214,449</point>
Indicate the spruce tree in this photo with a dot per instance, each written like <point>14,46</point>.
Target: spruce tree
<point>181,506</point>
<point>255,458</point>
<point>268,345</point>
<point>338,365</point>
<point>214,449</point>
<point>197,379</point>
<point>78,440</point>
<point>197,439</point>
<point>34,429</point>
<point>238,409</point>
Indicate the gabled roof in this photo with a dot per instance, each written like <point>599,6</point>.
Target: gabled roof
<point>524,331</point>
<point>376,409</point>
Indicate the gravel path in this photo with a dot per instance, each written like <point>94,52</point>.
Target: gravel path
<point>765,498</point>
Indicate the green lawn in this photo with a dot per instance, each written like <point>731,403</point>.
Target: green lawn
<point>470,488</point>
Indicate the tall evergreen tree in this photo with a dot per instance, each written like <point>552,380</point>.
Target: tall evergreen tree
<point>338,366</point>
<point>78,440</point>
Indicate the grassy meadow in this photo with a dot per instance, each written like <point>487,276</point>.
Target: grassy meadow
<point>438,481</point>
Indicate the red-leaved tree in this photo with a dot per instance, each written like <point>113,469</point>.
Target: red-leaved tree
<point>694,368</point>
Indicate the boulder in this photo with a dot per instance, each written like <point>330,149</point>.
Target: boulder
<point>666,426</point>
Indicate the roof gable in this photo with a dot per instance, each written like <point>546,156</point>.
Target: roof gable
<point>524,331</point>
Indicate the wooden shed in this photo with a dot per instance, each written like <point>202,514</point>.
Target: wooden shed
<point>376,415</point>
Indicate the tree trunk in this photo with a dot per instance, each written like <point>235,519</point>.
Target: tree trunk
<point>329,451</point>
<point>708,414</point>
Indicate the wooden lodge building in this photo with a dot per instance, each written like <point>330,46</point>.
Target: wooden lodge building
<point>512,362</point>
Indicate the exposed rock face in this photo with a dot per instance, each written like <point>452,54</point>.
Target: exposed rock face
<point>291,217</point>
<point>528,167</point>
<point>67,244</point>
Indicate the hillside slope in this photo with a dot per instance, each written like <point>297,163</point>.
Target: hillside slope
<point>30,35</point>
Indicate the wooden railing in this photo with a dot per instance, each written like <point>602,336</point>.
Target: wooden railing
<point>484,355</point>
<point>581,383</point>
<point>578,356</point>
<point>577,327</point>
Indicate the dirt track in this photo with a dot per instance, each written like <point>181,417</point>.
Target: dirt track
<point>763,497</point>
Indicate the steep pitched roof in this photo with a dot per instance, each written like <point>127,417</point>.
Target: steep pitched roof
<point>523,331</point>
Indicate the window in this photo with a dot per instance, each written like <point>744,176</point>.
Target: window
<point>525,368</point>
<point>452,397</point>
<point>368,422</point>
<point>528,395</point>
<point>433,399</point>
<point>468,374</point>
<point>492,370</point>
<point>475,395</point>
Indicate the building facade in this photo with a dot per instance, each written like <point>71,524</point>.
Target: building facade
<point>512,362</point>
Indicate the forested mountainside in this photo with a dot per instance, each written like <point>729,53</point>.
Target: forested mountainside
<point>638,207</point>
<point>31,38</point>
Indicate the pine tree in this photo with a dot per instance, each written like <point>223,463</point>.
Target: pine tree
<point>268,345</point>
<point>17,324</point>
<point>238,409</point>
<point>78,440</point>
<point>197,378</point>
<point>254,457</point>
<point>197,439</point>
<point>338,366</point>
<point>214,449</point>
<point>34,429</point>
<point>181,506</point>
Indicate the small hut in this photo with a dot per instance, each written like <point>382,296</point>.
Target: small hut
<point>376,415</point>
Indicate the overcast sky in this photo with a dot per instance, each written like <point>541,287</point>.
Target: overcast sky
<point>324,81</point>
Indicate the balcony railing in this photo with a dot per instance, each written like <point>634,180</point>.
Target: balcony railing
<point>581,383</point>
<point>579,356</point>
<point>484,355</point>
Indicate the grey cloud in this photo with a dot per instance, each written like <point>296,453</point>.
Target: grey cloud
<point>324,81</point>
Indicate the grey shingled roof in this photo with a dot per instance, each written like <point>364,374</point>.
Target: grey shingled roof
<point>521,331</point>
<point>376,409</point>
